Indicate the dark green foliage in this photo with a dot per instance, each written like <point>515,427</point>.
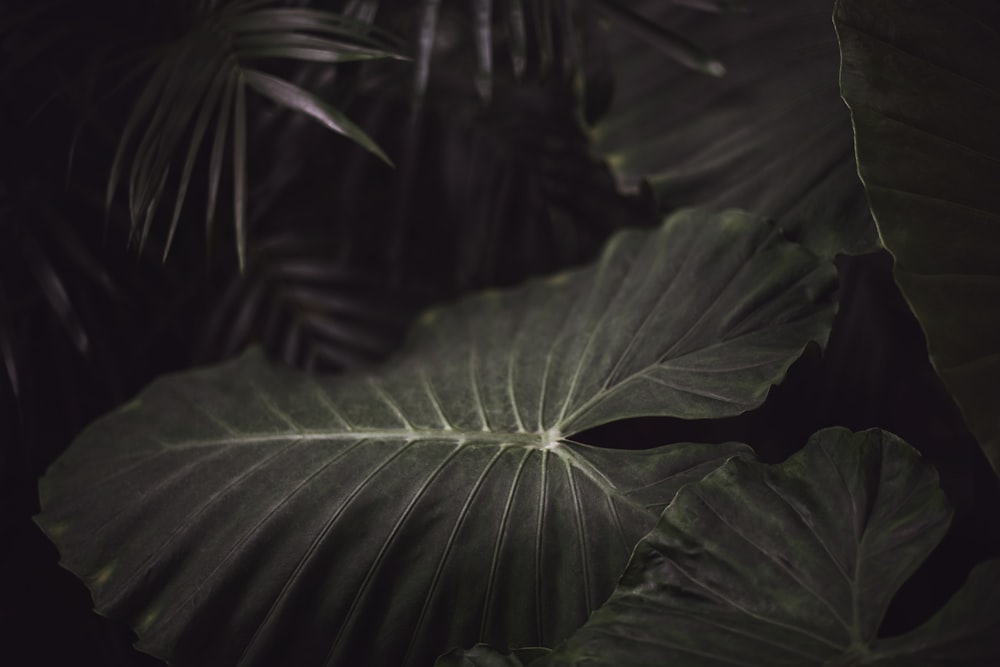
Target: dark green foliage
<point>769,136</point>
<point>488,482</point>
<point>924,116</point>
<point>792,564</point>
<point>357,477</point>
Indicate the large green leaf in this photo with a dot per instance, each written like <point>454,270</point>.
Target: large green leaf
<point>793,564</point>
<point>251,512</point>
<point>770,136</point>
<point>924,92</point>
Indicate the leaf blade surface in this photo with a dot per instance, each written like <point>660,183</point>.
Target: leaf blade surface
<point>924,98</point>
<point>441,494</point>
<point>792,564</point>
<point>769,136</point>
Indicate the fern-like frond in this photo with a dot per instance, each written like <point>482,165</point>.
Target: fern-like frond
<point>197,85</point>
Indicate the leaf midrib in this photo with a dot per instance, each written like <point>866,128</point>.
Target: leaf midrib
<point>535,439</point>
<point>529,440</point>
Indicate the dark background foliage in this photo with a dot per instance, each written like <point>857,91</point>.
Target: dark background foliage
<point>341,251</point>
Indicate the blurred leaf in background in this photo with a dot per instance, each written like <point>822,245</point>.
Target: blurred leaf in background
<point>770,135</point>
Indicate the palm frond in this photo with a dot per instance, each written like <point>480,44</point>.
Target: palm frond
<point>204,75</point>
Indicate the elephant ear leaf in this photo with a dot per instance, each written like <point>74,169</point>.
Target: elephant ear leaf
<point>792,564</point>
<point>924,91</point>
<point>770,136</point>
<point>248,513</point>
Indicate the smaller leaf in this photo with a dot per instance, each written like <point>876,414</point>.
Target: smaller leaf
<point>680,49</point>
<point>292,97</point>
<point>790,564</point>
<point>482,655</point>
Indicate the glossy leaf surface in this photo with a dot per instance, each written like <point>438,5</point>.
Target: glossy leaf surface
<point>924,92</point>
<point>770,136</point>
<point>246,512</point>
<point>792,564</point>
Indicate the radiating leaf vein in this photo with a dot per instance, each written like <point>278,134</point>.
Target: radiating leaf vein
<point>539,539</point>
<point>920,58</point>
<point>771,557</point>
<point>446,552</point>
<point>498,543</point>
<point>435,401</point>
<point>908,124</point>
<point>328,403</point>
<point>387,398</point>
<point>763,619</point>
<point>583,358</point>
<point>380,556</point>
<point>921,195</point>
<point>237,546</point>
<point>812,530</point>
<point>582,537</point>
<point>203,507</point>
<point>307,556</point>
<point>474,380</point>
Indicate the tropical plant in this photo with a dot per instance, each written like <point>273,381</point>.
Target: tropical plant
<point>538,393</point>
